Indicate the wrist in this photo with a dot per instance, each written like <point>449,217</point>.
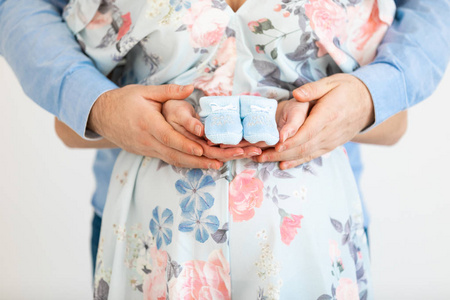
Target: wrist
<point>96,114</point>
<point>368,110</point>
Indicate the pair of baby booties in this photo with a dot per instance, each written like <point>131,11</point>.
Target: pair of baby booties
<point>228,119</point>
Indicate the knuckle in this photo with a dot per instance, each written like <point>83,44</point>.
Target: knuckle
<point>171,89</point>
<point>189,149</point>
<point>142,125</point>
<point>173,159</point>
<point>304,149</point>
<point>165,138</point>
<point>143,141</point>
<point>309,157</point>
<point>310,134</point>
<point>333,116</point>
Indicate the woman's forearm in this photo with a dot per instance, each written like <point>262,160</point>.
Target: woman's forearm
<point>72,140</point>
<point>387,133</point>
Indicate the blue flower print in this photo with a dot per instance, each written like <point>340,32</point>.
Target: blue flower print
<point>193,187</point>
<point>194,221</point>
<point>159,226</point>
<point>178,4</point>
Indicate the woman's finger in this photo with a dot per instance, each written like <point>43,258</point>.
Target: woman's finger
<point>314,124</point>
<point>185,116</point>
<point>169,137</point>
<point>293,118</point>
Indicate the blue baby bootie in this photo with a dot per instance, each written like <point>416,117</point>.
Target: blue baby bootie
<point>222,120</point>
<point>258,119</point>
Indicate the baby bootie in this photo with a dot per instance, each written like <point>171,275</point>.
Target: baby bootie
<point>258,119</point>
<point>222,120</point>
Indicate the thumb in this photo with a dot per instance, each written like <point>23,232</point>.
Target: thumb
<point>314,90</point>
<point>162,93</point>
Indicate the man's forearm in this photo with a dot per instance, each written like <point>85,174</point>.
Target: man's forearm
<point>48,61</point>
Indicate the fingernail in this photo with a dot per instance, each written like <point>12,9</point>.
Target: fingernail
<point>282,148</point>
<point>238,153</point>
<point>254,153</point>
<point>216,166</point>
<point>198,130</point>
<point>183,88</point>
<point>302,92</point>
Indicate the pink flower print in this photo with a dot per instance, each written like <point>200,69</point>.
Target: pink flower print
<point>371,26</point>
<point>366,30</point>
<point>125,26</point>
<point>265,23</point>
<point>220,82</point>
<point>277,7</point>
<point>288,228</point>
<point>245,194</point>
<point>327,18</point>
<point>259,26</point>
<point>100,20</point>
<point>347,290</point>
<point>205,23</point>
<point>254,27</point>
<point>154,286</point>
<point>203,280</point>
<point>334,250</point>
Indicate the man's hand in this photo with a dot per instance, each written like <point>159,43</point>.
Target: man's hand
<point>183,118</point>
<point>131,118</point>
<point>344,107</point>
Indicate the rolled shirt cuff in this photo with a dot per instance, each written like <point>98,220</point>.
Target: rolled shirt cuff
<point>387,87</point>
<point>80,90</point>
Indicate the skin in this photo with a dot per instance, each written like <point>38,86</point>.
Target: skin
<point>235,4</point>
<point>342,108</point>
<point>292,119</point>
<point>130,117</point>
<point>134,118</point>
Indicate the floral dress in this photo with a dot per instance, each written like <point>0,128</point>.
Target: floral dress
<point>248,230</point>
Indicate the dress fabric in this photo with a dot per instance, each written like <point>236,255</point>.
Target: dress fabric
<point>249,230</point>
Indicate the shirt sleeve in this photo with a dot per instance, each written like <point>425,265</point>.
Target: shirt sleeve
<point>48,61</point>
<point>412,58</point>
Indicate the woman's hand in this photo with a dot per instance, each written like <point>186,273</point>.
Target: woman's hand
<point>290,117</point>
<point>183,118</point>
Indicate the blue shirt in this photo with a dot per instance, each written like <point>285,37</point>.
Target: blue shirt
<point>57,75</point>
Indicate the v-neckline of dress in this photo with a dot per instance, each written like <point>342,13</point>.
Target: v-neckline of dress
<point>239,9</point>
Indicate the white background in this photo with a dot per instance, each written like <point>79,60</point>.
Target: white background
<point>45,210</point>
